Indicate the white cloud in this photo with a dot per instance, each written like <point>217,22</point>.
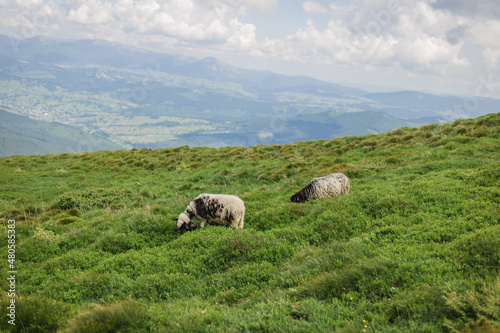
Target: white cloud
<point>429,53</point>
<point>491,57</point>
<point>410,34</point>
<point>89,12</point>
<point>213,23</point>
<point>244,39</point>
<point>314,8</point>
<point>486,32</point>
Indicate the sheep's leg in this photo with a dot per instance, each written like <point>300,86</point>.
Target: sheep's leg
<point>203,223</point>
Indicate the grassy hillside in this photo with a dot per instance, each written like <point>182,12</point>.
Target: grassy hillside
<point>20,135</point>
<point>413,247</point>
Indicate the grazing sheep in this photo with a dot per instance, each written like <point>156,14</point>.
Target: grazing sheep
<point>227,210</point>
<point>323,187</point>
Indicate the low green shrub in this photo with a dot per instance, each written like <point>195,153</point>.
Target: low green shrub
<point>74,212</point>
<point>123,316</point>
<point>475,311</point>
<point>67,220</point>
<point>373,278</point>
<point>93,198</point>
<point>40,247</point>
<point>424,304</point>
<point>34,314</point>
<point>480,250</point>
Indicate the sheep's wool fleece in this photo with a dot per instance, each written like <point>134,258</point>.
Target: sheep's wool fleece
<point>227,210</point>
<point>325,187</point>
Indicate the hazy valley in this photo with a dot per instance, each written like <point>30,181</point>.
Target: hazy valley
<point>137,98</point>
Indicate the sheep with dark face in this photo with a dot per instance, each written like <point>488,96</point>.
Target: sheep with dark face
<point>323,187</point>
<point>227,210</point>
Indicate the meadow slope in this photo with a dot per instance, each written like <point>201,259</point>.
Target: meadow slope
<point>20,135</point>
<point>413,247</point>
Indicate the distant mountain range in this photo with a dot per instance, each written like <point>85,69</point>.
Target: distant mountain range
<point>138,98</point>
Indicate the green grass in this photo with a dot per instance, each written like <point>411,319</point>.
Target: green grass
<point>413,247</point>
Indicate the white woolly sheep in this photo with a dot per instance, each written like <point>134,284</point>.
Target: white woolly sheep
<point>227,210</point>
<point>323,187</point>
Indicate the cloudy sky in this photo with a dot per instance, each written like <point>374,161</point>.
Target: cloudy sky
<point>442,46</point>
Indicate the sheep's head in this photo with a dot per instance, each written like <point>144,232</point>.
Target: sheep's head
<point>184,223</point>
<point>298,197</point>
